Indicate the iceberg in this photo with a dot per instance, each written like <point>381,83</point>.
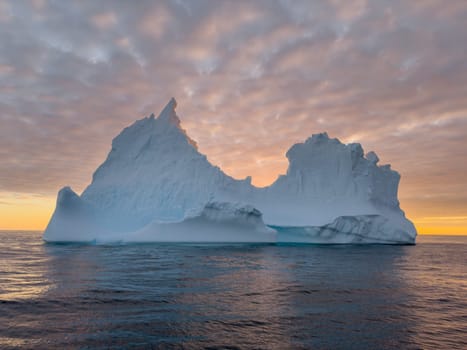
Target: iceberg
<point>220,222</point>
<point>155,186</point>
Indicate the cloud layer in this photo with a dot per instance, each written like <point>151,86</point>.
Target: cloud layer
<point>251,78</point>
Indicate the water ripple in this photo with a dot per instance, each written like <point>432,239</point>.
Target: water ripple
<point>232,297</point>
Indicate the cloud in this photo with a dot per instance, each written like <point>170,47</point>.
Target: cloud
<point>251,79</point>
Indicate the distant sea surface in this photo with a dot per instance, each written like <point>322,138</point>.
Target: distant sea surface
<point>162,296</point>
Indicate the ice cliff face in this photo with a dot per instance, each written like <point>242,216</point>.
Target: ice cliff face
<point>154,174</point>
<point>326,168</point>
<point>326,179</point>
<point>154,171</point>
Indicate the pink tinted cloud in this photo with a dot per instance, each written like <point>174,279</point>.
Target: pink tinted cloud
<point>251,79</point>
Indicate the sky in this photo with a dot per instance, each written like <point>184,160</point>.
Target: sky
<point>251,78</point>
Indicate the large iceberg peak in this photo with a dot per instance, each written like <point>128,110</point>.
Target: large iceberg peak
<point>153,170</point>
<point>150,137</point>
<point>152,133</point>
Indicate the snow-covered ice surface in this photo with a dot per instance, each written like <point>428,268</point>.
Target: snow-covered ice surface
<point>216,222</point>
<point>155,186</point>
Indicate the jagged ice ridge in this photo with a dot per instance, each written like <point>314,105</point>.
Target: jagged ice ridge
<point>155,186</point>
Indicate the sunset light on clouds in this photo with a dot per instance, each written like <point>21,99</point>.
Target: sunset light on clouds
<point>251,79</point>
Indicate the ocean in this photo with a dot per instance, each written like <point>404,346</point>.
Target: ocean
<point>255,296</point>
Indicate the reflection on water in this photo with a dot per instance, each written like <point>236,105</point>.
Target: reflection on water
<point>23,265</point>
<point>244,296</point>
<point>438,286</point>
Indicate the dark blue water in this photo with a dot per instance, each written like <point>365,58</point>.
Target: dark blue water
<point>232,297</point>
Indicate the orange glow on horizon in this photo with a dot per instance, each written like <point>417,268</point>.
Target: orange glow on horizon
<point>442,230</point>
<point>25,212</point>
<point>33,213</point>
